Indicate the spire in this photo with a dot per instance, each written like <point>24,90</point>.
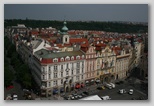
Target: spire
<point>65,29</point>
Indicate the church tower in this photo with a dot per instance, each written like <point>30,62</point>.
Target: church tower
<point>65,36</point>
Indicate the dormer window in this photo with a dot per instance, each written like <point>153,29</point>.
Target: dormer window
<point>67,58</point>
<point>77,57</point>
<point>72,58</point>
<point>62,59</point>
<point>55,60</point>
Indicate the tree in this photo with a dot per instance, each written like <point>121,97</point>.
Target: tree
<point>8,76</point>
<point>27,80</point>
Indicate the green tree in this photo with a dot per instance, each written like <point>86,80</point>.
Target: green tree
<point>8,76</point>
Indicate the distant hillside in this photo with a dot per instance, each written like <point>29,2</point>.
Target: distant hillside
<point>77,25</point>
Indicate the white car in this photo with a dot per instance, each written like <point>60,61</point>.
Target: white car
<point>122,91</point>
<point>113,85</point>
<point>131,92</point>
<point>105,98</point>
<point>108,86</point>
<point>15,97</point>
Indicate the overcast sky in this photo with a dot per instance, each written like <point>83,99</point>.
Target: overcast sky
<point>76,12</point>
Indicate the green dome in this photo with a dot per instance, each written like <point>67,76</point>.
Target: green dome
<point>65,29</point>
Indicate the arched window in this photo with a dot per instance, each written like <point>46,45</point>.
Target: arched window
<point>72,58</point>
<point>62,59</point>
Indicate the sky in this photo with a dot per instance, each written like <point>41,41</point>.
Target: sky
<point>78,12</point>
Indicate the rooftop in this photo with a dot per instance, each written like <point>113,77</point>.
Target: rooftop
<point>50,54</point>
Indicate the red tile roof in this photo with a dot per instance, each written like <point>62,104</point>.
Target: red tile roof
<point>78,40</point>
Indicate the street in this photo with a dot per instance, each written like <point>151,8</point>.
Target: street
<point>138,94</point>
<point>17,87</point>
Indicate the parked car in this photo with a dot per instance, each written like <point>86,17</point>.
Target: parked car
<point>122,91</point>
<point>113,85</point>
<point>25,90</point>
<point>131,92</point>
<point>80,96</point>
<point>105,98</point>
<point>67,98</point>
<point>71,97</point>
<point>75,96</point>
<point>15,97</point>
<point>108,86</point>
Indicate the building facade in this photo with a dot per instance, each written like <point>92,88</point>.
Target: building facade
<point>60,72</point>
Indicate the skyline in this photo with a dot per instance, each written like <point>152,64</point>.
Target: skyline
<point>78,12</point>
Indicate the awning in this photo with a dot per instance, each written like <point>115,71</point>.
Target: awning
<point>78,86</point>
<point>97,80</point>
<point>87,81</point>
<point>92,80</point>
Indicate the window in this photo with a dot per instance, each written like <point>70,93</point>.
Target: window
<point>82,64</point>
<point>65,39</point>
<point>82,77</point>
<point>55,60</point>
<point>67,65</point>
<point>77,71</point>
<point>72,58</point>
<point>49,84</point>
<point>55,67</point>
<point>72,72</point>
<point>67,58</point>
<point>78,57</point>
<point>97,72</point>
<point>82,56</point>
<point>55,75</point>
<point>61,81</point>
<point>72,66</point>
<point>82,70</point>
<point>43,70</point>
<point>61,67</point>
<point>77,78</point>
<point>43,77</point>
<point>62,59</point>
<point>49,68</point>
<point>49,71</point>
<point>61,74</point>
<point>55,82</point>
<point>49,76</point>
<point>78,64</point>
<point>66,72</point>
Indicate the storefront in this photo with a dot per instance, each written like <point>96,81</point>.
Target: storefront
<point>77,86</point>
<point>61,89</point>
<point>72,87</point>
<point>87,83</point>
<point>82,85</point>
<point>92,82</point>
<point>97,81</point>
<point>55,91</point>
